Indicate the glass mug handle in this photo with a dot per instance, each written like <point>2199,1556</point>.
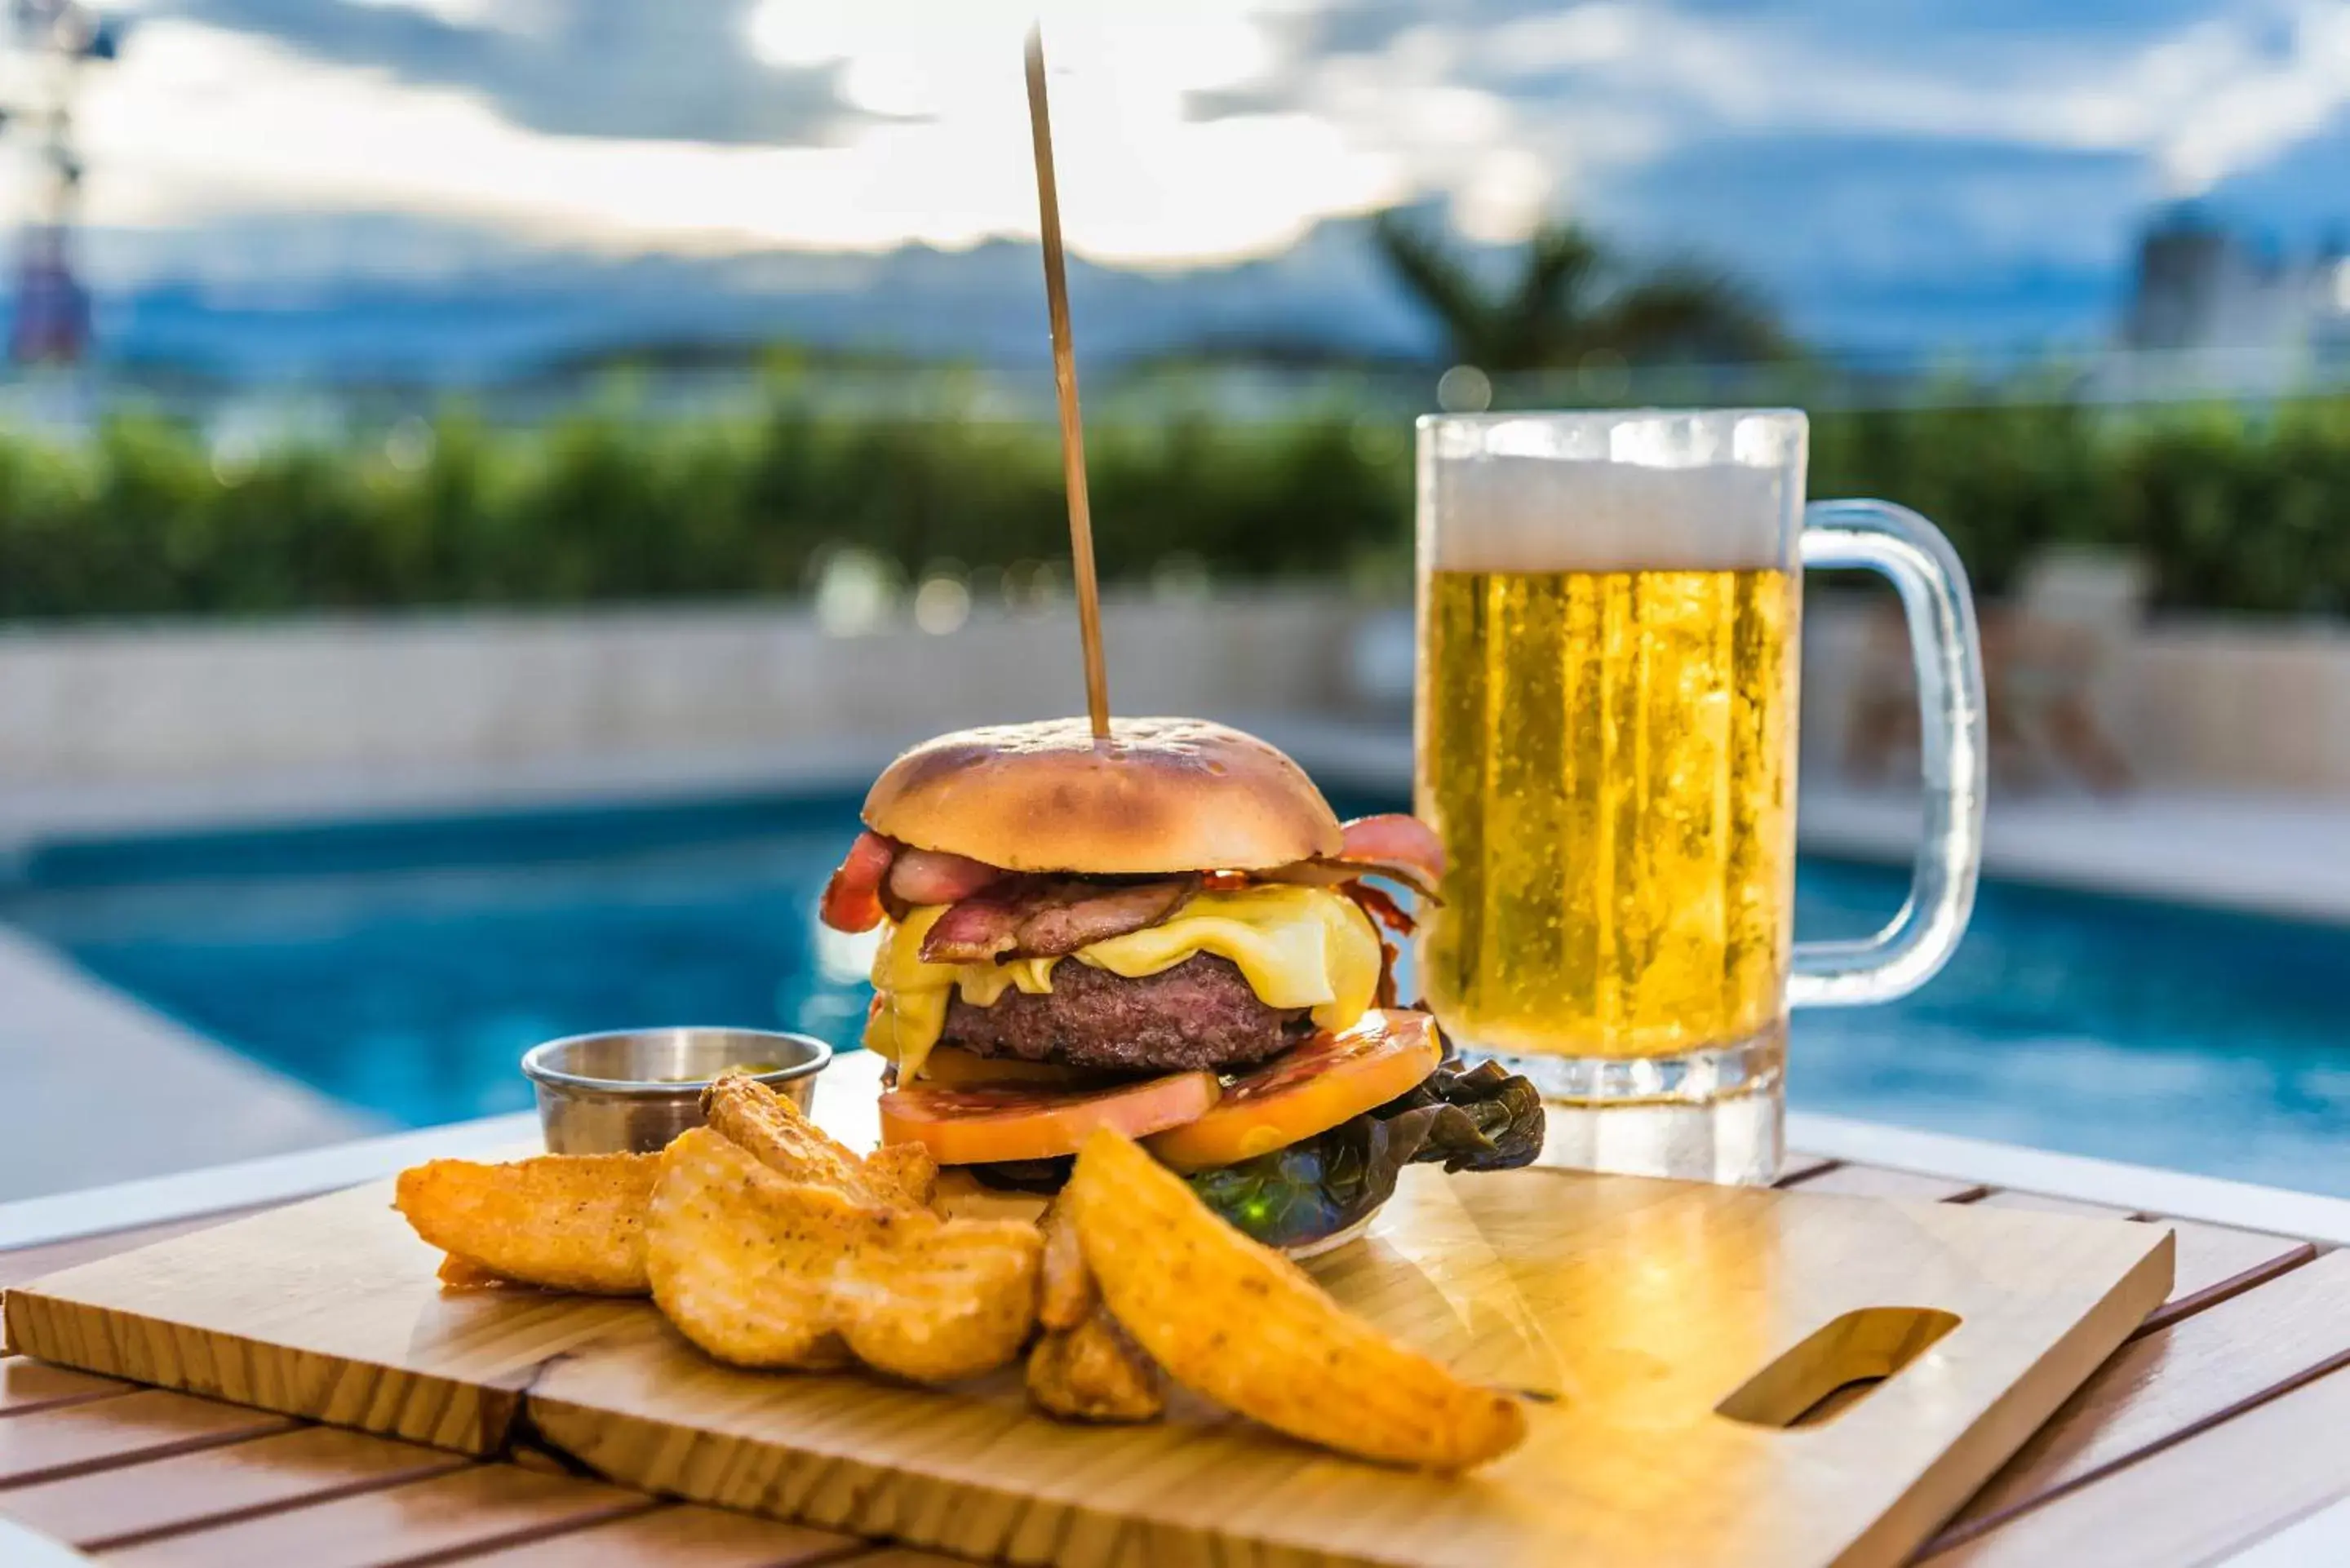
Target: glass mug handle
<point>1947,654</point>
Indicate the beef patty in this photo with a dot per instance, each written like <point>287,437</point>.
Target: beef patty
<point>1199,1014</point>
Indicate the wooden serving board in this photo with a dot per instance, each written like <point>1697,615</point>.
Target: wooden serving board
<point>1638,1311</point>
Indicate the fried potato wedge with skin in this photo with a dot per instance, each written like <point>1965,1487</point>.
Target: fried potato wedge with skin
<point>713,1253</point>
<point>1093,1372</point>
<point>906,1171</point>
<point>780,1135</point>
<point>1065,1294</point>
<point>568,1222</point>
<point>763,1270</point>
<point>946,1299</point>
<point>773,1130</point>
<point>1248,1328</point>
<point>457,1273</point>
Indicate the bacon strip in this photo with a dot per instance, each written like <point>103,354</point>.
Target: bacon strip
<point>1036,916</point>
<point>934,877</point>
<point>977,930</point>
<point>1394,839</point>
<point>852,898</point>
<point>1398,847</point>
<point>1381,908</point>
<point>1057,928</point>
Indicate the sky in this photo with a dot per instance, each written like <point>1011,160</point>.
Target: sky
<point>1936,144</point>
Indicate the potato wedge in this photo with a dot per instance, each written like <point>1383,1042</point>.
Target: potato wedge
<point>457,1273</point>
<point>713,1254</point>
<point>772,1128</point>
<point>1245,1326</point>
<point>906,1170</point>
<point>568,1222</point>
<point>779,1135</point>
<point>1093,1372</point>
<point>941,1299</point>
<point>763,1270</point>
<point>1065,1294</point>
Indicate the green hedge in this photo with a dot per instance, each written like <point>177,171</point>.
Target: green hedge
<point>2237,511</point>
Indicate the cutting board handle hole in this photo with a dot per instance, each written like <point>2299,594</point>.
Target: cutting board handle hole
<point>1837,1366</point>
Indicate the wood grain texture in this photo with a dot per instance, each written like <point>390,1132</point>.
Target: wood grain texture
<point>1640,1304</point>
<point>309,1464</point>
<point>1879,1181</point>
<point>2191,1503</point>
<point>2164,1385</point>
<point>146,1424</point>
<point>679,1536</point>
<point>2048,1203</point>
<point>195,1313</point>
<point>478,1506</point>
<point>24,1264</point>
<point>2216,1262</point>
<point>26,1385</point>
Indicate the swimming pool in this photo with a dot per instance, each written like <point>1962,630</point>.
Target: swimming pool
<point>403,967</point>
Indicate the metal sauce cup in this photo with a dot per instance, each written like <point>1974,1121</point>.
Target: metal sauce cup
<point>632,1090</point>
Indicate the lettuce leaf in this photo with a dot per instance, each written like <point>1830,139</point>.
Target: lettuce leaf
<point>1479,1118</point>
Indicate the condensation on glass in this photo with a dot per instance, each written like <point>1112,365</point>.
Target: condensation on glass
<point>1610,610</point>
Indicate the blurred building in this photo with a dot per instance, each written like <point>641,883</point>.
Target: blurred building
<point>2210,311</point>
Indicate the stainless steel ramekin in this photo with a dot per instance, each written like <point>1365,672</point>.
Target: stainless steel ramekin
<point>632,1090</point>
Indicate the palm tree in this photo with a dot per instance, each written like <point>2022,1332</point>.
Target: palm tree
<point>1572,300</point>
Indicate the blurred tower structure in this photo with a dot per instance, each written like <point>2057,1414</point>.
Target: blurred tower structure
<point>2211,312</point>
<point>49,42</point>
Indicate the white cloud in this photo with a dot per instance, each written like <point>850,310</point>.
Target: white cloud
<point>197,119</point>
<point>1509,114</point>
<point>1610,85</point>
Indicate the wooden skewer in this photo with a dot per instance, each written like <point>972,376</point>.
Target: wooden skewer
<point>1065,386</point>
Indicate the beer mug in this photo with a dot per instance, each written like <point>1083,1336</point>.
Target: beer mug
<point>1610,609</point>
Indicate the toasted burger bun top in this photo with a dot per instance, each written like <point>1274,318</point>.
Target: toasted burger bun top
<point>1162,795</point>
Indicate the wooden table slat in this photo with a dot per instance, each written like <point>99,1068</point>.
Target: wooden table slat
<point>26,1386</point>
<point>31,1262</point>
<point>474,1507</point>
<point>2163,1384</point>
<point>2048,1203</point>
<point>2217,1262</point>
<point>147,1424</point>
<point>1797,1168</point>
<point>2192,1502</point>
<point>309,1464</point>
<point>681,1535</point>
<point>2188,1419</point>
<point>1883,1181</point>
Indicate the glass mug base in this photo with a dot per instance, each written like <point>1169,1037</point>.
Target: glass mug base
<point>1716,1115</point>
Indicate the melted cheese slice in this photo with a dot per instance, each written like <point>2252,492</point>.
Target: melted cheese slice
<point>1297,947</point>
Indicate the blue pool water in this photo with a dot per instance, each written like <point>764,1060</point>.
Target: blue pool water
<point>402,968</point>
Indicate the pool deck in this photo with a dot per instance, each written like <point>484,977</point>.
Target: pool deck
<point>77,1053</point>
<point>95,1087</point>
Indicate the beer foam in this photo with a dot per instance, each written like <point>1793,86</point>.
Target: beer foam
<point>1505,512</point>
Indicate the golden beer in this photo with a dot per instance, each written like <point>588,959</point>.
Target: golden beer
<point>1609,759</point>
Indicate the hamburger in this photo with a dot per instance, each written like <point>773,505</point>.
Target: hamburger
<point>1171,933</point>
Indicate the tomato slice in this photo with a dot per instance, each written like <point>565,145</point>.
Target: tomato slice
<point>983,1124</point>
<point>1311,1089</point>
<point>952,1067</point>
